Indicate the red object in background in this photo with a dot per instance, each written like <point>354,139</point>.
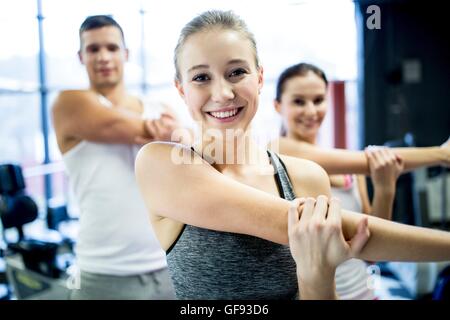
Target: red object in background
<point>337,94</point>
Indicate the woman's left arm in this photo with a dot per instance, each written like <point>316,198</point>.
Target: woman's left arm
<point>341,161</point>
<point>389,241</point>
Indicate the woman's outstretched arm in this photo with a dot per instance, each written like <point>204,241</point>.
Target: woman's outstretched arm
<point>198,195</point>
<point>392,241</point>
<point>341,161</point>
<point>194,193</point>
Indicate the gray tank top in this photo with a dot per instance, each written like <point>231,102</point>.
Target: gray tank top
<point>208,264</point>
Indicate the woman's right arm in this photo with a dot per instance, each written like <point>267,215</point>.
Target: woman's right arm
<point>198,195</point>
<point>195,193</point>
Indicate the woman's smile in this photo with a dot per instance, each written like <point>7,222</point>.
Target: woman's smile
<point>225,114</point>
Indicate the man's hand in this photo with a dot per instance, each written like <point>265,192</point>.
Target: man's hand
<point>159,129</point>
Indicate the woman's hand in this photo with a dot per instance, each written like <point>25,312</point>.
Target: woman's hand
<point>318,246</point>
<point>385,167</point>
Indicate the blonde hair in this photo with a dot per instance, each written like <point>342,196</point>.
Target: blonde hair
<point>209,20</point>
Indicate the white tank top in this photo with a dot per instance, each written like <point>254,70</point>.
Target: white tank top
<point>115,235</point>
<point>352,276</point>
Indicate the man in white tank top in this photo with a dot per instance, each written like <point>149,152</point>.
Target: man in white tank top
<point>97,132</point>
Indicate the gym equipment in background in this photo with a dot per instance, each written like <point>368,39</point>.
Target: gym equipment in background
<point>35,269</point>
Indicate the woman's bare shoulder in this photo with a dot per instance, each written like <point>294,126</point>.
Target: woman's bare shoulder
<point>161,148</point>
<point>170,153</point>
<point>307,177</point>
<point>169,160</point>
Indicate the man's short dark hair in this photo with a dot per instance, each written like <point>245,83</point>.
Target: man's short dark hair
<point>99,21</point>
